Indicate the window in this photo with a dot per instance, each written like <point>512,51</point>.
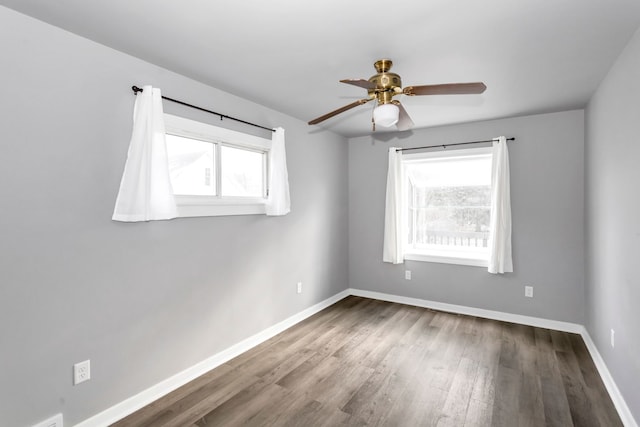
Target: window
<point>447,203</point>
<point>216,171</point>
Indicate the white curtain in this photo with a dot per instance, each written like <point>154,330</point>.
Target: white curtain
<point>145,189</point>
<point>278,201</point>
<point>500,229</point>
<point>393,225</point>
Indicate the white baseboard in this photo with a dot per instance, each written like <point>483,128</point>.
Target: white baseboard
<point>471,311</point>
<point>55,421</point>
<point>142,399</point>
<point>609,383</point>
<point>621,405</point>
<point>121,410</point>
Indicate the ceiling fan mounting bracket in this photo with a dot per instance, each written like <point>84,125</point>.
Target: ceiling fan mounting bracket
<point>383,65</point>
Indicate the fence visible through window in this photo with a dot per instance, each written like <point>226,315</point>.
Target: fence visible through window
<point>452,238</point>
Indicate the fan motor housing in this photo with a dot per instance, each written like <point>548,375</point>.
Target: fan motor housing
<point>386,84</point>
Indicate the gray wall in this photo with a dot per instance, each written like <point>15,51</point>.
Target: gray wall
<point>613,221</point>
<point>145,301</point>
<point>547,206</point>
<point>142,301</point>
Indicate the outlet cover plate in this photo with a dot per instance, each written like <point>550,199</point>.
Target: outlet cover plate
<point>528,291</point>
<point>81,372</point>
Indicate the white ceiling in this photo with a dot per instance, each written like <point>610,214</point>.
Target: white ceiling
<point>534,55</point>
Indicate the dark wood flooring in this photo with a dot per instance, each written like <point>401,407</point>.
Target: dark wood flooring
<point>367,362</point>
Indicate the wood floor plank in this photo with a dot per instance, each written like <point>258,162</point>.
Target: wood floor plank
<point>163,409</point>
<point>530,402</point>
<point>316,414</point>
<point>443,359</point>
<point>389,336</point>
<point>242,409</point>
<point>418,405</point>
<point>370,331</point>
<point>560,340</point>
<point>397,369</point>
<point>506,401</point>
<point>586,365</point>
<point>312,328</point>
<point>454,412</point>
<point>584,410</point>
<point>479,414</point>
<point>338,388</point>
<point>484,387</point>
<point>311,372</point>
<point>382,394</point>
<point>557,412</point>
<point>364,362</point>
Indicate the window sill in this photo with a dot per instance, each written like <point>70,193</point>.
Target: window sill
<point>194,206</point>
<point>447,259</point>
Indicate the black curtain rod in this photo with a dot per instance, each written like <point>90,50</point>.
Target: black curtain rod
<point>136,89</point>
<point>451,145</point>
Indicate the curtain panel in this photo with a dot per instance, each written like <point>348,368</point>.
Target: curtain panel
<point>145,189</point>
<point>393,225</point>
<point>278,201</point>
<point>500,260</point>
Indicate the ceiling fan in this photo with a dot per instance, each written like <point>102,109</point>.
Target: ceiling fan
<point>384,85</point>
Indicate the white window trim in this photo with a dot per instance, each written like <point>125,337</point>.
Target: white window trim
<point>444,256</point>
<point>446,259</point>
<point>199,206</point>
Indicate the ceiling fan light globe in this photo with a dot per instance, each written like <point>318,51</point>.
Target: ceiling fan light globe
<point>386,115</point>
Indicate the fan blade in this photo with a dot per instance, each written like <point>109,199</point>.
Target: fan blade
<point>366,84</point>
<point>339,110</point>
<point>446,89</point>
<point>404,121</point>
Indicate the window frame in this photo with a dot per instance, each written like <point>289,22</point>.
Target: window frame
<point>445,256</point>
<point>218,205</point>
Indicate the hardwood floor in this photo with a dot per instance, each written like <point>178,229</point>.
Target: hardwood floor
<point>367,362</point>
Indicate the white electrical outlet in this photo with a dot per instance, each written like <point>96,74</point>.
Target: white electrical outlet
<point>407,274</point>
<point>55,421</point>
<point>528,291</point>
<point>81,372</point>
<point>299,289</point>
<point>613,338</point>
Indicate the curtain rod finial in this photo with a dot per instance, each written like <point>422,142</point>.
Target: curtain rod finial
<point>136,89</point>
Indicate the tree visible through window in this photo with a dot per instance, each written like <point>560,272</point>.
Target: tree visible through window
<point>448,203</point>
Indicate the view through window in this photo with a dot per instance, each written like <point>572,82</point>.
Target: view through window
<point>191,163</point>
<point>448,204</point>
<point>216,171</point>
